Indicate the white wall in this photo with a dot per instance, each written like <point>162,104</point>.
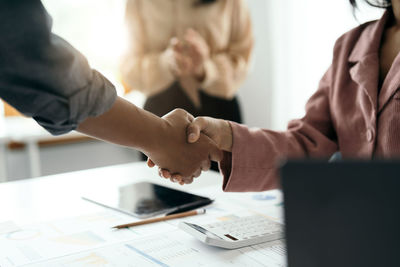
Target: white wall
<point>257,89</point>
<point>294,42</point>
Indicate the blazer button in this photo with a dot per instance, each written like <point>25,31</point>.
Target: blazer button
<point>370,135</point>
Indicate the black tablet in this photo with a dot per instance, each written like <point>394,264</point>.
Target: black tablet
<point>145,200</point>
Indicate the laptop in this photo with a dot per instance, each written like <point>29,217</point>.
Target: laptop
<point>342,214</point>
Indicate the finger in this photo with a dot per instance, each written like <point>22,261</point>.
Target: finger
<point>193,130</point>
<point>197,173</point>
<point>177,46</point>
<point>177,178</point>
<point>195,40</point>
<point>190,117</point>
<point>206,165</point>
<point>150,163</point>
<point>182,63</point>
<point>179,59</point>
<point>188,180</point>
<point>174,42</point>
<point>165,173</point>
<point>194,47</point>
<point>191,35</point>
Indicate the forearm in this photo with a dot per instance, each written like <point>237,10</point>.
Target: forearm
<point>226,135</point>
<point>125,124</point>
<point>256,153</point>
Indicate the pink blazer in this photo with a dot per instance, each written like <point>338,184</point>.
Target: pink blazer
<point>350,113</point>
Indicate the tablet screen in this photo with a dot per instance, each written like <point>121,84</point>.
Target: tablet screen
<point>147,199</point>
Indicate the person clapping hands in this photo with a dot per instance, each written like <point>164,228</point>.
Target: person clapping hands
<point>189,55</point>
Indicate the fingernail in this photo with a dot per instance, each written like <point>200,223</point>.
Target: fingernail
<point>192,137</point>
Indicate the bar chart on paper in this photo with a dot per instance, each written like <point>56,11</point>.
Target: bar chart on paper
<point>111,256</point>
<point>43,241</point>
<point>88,240</point>
<point>174,249</point>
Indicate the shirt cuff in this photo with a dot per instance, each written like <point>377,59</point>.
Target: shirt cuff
<point>94,100</point>
<point>97,97</point>
<point>241,169</point>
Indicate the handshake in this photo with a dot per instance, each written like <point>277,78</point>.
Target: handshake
<point>187,145</point>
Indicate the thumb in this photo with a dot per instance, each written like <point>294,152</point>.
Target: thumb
<point>194,129</point>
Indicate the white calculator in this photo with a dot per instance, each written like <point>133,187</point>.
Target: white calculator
<point>236,232</point>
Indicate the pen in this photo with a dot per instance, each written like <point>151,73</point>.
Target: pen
<point>191,206</point>
<point>160,219</point>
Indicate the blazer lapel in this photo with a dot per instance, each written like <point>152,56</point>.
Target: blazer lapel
<point>391,84</point>
<point>364,59</point>
<point>366,74</point>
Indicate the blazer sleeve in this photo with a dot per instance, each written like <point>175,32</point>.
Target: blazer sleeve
<point>42,75</point>
<point>225,71</point>
<point>141,70</point>
<point>253,163</point>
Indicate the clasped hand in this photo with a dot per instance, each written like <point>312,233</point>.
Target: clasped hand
<point>201,141</point>
<point>187,56</point>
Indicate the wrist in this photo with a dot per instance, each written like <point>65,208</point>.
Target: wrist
<point>226,141</point>
<point>154,136</point>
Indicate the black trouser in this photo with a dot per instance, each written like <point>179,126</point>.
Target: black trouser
<point>174,97</point>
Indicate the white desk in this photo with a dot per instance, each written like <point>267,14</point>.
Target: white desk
<point>42,204</point>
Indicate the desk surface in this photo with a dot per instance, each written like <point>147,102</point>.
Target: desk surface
<point>46,202</point>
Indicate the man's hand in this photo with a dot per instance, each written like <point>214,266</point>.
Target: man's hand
<point>218,130</point>
<point>173,154</point>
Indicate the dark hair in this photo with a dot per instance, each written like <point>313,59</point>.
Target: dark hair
<point>374,3</point>
<point>204,2</point>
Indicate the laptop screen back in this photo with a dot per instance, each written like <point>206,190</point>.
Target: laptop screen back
<point>342,213</point>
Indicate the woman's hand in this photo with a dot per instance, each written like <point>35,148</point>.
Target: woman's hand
<point>179,63</point>
<point>189,55</point>
<point>218,130</point>
<point>198,51</point>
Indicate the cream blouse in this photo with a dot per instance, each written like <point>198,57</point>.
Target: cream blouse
<point>225,25</point>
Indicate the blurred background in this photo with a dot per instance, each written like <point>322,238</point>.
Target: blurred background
<point>292,49</point>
